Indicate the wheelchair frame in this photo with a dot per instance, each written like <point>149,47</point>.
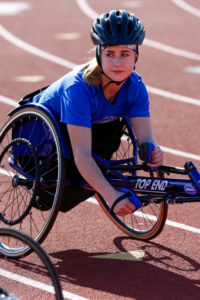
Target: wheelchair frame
<point>152,190</point>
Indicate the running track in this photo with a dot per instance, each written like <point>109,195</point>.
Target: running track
<point>170,267</point>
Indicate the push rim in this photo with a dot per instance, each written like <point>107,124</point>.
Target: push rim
<point>41,218</point>
<point>147,222</point>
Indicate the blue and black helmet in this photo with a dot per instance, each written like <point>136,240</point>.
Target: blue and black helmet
<point>118,28</point>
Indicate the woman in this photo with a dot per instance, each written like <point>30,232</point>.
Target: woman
<point>99,93</point>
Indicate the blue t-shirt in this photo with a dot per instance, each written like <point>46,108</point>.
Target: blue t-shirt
<point>75,103</point>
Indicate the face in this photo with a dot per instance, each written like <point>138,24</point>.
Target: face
<point>118,62</point>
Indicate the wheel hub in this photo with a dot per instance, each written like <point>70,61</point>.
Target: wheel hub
<point>15,181</point>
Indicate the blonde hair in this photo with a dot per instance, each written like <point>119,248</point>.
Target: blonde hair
<point>91,72</point>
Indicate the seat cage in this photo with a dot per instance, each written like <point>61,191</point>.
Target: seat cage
<point>61,127</point>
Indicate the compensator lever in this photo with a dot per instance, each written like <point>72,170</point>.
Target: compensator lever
<point>194,174</point>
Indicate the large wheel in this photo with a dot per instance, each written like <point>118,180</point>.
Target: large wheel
<point>28,279</point>
<point>147,222</point>
<point>23,206</point>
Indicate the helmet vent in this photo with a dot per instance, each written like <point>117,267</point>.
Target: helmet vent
<point>106,16</point>
<point>98,21</point>
<point>142,30</point>
<point>95,31</point>
<point>108,27</point>
<point>119,27</point>
<point>118,13</point>
<point>129,28</point>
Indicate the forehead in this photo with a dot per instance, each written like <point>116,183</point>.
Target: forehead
<point>119,48</point>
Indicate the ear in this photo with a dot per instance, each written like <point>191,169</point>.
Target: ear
<point>98,55</point>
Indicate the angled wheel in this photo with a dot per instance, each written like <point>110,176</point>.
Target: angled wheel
<point>147,222</point>
<point>28,279</point>
<point>28,206</point>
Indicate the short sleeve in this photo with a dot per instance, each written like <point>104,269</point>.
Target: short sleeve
<point>76,107</point>
<point>140,106</point>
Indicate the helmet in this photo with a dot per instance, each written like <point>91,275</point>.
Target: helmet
<point>117,28</point>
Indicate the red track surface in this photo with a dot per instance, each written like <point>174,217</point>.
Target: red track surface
<point>170,268</point>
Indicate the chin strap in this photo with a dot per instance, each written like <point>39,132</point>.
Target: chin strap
<point>107,84</point>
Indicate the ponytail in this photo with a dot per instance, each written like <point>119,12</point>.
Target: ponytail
<point>91,72</point>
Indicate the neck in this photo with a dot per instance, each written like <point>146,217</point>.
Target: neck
<point>112,90</point>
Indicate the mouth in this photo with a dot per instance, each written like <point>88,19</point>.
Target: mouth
<point>117,72</point>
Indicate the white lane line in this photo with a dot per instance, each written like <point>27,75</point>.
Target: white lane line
<point>165,149</point>
<point>153,218</point>
<point>30,78</point>
<point>175,152</point>
<point>172,96</point>
<point>38,285</point>
<point>172,50</point>
<point>31,49</point>
<point>55,59</point>
<point>182,4</point>
<point>8,101</point>
<point>68,36</point>
<point>13,8</point>
<point>88,11</point>
<point>132,4</point>
<point>180,153</point>
<point>194,70</point>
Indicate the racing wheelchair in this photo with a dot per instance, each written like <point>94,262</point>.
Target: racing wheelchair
<point>33,177</point>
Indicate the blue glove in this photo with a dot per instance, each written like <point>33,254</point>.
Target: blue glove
<point>145,153</point>
<point>133,198</point>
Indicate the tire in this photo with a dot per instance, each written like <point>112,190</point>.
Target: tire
<point>39,261</point>
<point>147,222</point>
<point>35,126</point>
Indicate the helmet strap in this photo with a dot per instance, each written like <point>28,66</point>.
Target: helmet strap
<point>98,58</point>
<point>107,84</point>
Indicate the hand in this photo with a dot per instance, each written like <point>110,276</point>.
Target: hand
<point>124,207</point>
<point>157,157</point>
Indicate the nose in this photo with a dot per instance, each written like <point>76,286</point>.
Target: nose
<point>117,61</point>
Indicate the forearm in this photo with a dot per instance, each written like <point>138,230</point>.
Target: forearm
<point>93,175</point>
<point>149,139</point>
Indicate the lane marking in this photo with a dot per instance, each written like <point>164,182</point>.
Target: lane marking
<point>132,4</point>
<point>34,50</point>
<point>173,151</point>
<point>11,102</point>
<point>8,101</point>
<point>34,78</point>
<point>130,255</point>
<point>65,63</point>
<point>153,218</point>
<point>68,36</point>
<point>13,8</point>
<point>88,11</point>
<point>182,4</point>
<point>172,96</point>
<point>180,153</point>
<point>171,50</point>
<point>195,70</point>
<point>38,285</point>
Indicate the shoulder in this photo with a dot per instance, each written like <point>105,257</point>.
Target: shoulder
<point>72,82</point>
<point>135,79</point>
<point>136,84</point>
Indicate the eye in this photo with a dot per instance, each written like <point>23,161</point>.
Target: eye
<point>109,55</point>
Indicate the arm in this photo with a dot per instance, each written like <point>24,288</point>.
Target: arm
<point>81,142</point>
<point>142,128</point>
